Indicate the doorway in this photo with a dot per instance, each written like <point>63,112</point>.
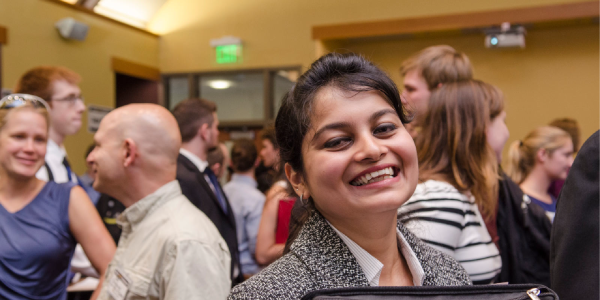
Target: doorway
<point>130,89</point>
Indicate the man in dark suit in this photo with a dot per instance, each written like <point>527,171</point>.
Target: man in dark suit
<point>574,252</point>
<point>198,124</point>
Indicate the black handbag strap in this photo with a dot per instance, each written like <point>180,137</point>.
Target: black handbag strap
<point>488,292</point>
<point>50,175</point>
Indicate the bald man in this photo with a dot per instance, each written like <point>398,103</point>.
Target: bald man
<point>161,253</point>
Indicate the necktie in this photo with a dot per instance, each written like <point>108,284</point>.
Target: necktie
<point>68,167</point>
<point>215,183</point>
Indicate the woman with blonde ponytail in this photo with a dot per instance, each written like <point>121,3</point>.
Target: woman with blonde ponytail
<point>544,155</point>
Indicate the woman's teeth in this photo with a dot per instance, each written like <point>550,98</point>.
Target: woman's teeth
<point>374,177</point>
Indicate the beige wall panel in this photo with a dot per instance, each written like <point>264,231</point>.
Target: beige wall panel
<point>557,75</point>
<point>34,41</point>
<point>277,32</point>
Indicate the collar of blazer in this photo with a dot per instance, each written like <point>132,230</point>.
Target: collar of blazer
<point>326,256</point>
<point>192,168</point>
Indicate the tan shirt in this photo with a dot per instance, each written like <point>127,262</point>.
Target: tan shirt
<point>169,250</point>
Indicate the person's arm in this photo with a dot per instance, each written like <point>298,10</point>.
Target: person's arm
<point>267,251</point>
<point>90,232</point>
<point>253,223</point>
<point>195,270</point>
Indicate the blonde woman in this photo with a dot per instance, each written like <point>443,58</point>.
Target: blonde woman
<point>543,156</point>
<point>40,222</point>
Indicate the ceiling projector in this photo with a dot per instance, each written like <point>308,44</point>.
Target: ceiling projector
<point>505,37</point>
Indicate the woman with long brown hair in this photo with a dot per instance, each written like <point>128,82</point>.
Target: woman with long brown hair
<point>458,180</point>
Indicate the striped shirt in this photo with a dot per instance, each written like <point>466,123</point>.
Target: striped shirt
<point>451,222</point>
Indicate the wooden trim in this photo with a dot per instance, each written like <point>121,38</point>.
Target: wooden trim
<point>3,35</point>
<point>1,68</point>
<point>268,94</point>
<point>91,12</point>
<point>232,71</point>
<point>241,124</point>
<point>458,21</point>
<point>134,69</point>
<point>193,91</point>
<point>166,91</point>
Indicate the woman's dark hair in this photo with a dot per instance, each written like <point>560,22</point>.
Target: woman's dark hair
<point>346,72</point>
<point>243,155</point>
<point>268,133</point>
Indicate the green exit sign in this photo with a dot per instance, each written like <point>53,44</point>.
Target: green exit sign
<point>227,54</point>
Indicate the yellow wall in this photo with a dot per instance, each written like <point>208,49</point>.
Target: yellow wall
<point>555,76</point>
<point>278,33</point>
<point>33,41</point>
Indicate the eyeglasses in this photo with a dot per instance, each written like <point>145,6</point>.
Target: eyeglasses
<point>17,100</point>
<point>71,99</point>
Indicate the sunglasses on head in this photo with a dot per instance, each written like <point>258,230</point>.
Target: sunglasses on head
<point>17,100</point>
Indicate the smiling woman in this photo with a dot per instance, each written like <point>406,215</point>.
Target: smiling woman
<point>41,221</point>
<point>352,163</point>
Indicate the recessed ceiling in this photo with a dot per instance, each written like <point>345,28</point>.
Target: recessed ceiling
<point>133,12</point>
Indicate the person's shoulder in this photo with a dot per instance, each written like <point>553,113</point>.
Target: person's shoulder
<point>444,269</point>
<point>286,278</point>
<point>185,221</point>
<point>60,191</point>
<point>438,190</point>
<point>256,195</point>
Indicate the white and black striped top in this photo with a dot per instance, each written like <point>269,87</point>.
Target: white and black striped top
<point>450,221</point>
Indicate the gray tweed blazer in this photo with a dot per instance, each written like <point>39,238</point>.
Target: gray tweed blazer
<point>319,259</point>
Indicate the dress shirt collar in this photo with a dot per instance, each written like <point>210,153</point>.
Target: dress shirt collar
<point>372,267</point>
<point>244,179</point>
<point>199,163</point>
<point>134,214</point>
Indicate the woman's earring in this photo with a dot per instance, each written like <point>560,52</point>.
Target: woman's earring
<point>301,200</point>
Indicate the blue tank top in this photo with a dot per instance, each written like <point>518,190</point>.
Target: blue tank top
<point>36,246</point>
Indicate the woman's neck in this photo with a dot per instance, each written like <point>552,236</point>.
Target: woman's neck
<point>16,193</point>
<point>377,235</point>
<point>536,184</point>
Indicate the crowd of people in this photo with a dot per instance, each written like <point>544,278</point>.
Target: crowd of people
<point>355,185</point>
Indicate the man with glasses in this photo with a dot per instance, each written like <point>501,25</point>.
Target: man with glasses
<point>59,87</point>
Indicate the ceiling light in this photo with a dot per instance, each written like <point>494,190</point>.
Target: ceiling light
<point>219,84</point>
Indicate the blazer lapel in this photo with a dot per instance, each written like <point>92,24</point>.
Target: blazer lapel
<point>200,178</point>
<point>326,255</point>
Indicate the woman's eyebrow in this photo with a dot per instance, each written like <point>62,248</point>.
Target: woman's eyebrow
<point>342,125</point>
<point>332,126</point>
<point>381,113</point>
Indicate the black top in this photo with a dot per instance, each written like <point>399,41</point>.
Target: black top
<point>524,237</point>
<point>196,189</point>
<point>574,251</point>
<point>109,209</point>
